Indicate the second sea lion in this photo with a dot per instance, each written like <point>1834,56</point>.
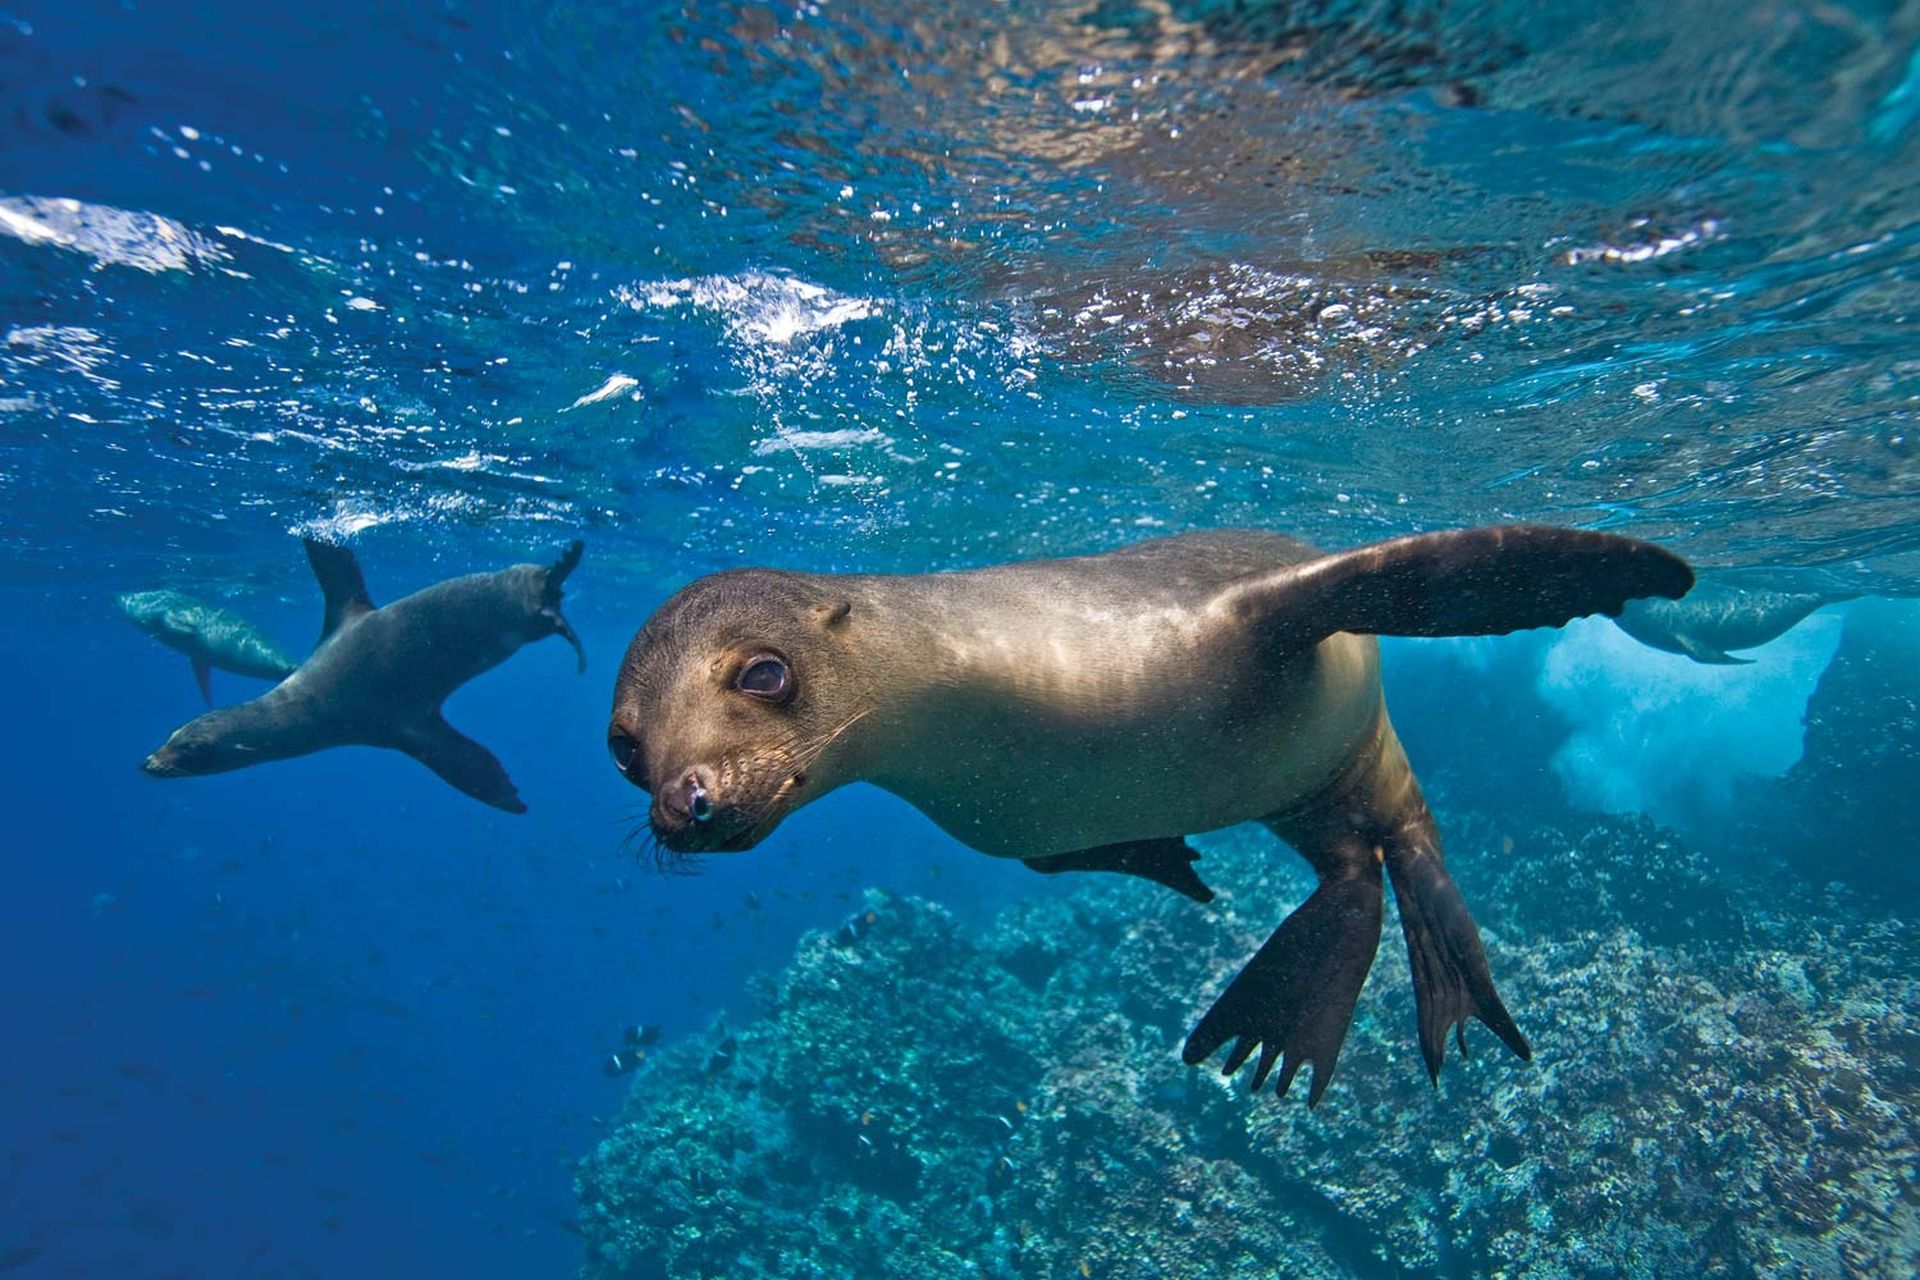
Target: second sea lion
<point>377,676</point>
<point>209,637</point>
<point>1716,618</point>
<point>1089,713</point>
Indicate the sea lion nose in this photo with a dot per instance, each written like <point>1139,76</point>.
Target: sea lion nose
<point>690,799</point>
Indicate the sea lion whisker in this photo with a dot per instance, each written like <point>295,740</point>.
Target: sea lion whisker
<point>802,759</point>
<point>795,765</point>
<point>647,846</point>
<point>629,814</point>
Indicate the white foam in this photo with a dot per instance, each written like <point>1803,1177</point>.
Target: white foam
<point>846,438</point>
<point>121,237</point>
<point>758,307</point>
<point>1661,734</point>
<point>612,387</point>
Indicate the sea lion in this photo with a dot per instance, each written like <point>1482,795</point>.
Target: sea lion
<point>1090,713</point>
<point>209,637</point>
<point>377,677</point>
<point>1716,618</point>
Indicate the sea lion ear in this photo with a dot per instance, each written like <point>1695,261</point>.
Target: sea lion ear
<point>832,613</point>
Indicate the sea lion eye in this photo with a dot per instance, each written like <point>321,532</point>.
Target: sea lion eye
<point>764,677</point>
<point>620,747</point>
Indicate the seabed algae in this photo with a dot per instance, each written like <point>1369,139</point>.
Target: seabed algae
<point>1721,1086</point>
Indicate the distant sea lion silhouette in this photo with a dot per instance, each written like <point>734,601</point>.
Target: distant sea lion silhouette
<point>378,676</point>
<point>209,637</point>
<point>1089,713</point>
<point>1716,618</point>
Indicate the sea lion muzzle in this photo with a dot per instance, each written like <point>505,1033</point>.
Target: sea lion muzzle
<point>686,815</point>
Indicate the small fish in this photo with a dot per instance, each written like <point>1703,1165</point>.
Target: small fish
<point>640,1035</point>
<point>722,1056</point>
<point>18,1253</point>
<point>623,1063</point>
<point>857,928</point>
<point>209,637</point>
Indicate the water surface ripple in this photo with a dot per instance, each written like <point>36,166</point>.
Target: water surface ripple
<point>852,286</point>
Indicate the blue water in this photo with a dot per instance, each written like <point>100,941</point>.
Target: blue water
<point>836,287</point>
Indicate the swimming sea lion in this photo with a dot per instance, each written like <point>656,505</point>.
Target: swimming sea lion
<point>1089,713</point>
<point>1716,618</point>
<point>378,676</point>
<point>209,637</point>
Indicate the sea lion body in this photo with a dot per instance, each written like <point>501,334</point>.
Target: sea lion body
<point>378,676</point>
<point>209,637</point>
<point>1088,713</point>
<point>1715,620</point>
<point>1154,720</point>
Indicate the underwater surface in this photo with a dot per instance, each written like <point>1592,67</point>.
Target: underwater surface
<point>868,287</point>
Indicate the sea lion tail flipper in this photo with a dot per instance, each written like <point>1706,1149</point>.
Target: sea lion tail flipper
<point>1451,981</point>
<point>557,571</point>
<point>462,762</point>
<point>1296,996</point>
<point>341,584</point>
<point>556,575</point>
<point>1465,582</point>
<point>203,676</point>
<point>1167,861</point>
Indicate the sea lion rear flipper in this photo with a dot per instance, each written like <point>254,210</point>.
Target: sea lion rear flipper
<point>461,761</point>
<point>1166,861</point>
<point>1708,655</point>
<point>203,676</point>
<point>1451,980</point>
<point>1296,996</point>
<point>341,584</point>
<point>1465,582</point>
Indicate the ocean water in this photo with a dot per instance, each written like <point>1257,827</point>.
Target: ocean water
<point>868,287</point>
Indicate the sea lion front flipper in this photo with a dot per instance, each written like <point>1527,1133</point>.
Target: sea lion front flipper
<point>1167,861</point>
<point>1708,655</point>
<point>203,676</point>
<point>342,585</point>
<point>1451,981</point>
<point>1296,996</point>
<point>1466,582</point>
<point>462,762</point>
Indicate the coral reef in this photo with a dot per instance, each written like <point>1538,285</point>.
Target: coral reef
<point>1724,1084</point>
<point>1845,811</point>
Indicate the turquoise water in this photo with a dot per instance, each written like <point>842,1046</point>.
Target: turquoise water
<point>852,287</point>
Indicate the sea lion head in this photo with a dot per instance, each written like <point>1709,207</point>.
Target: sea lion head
<point>732,706</point>
<point>534,594</point>
<point>207,744</point>
<point>166,615</point>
